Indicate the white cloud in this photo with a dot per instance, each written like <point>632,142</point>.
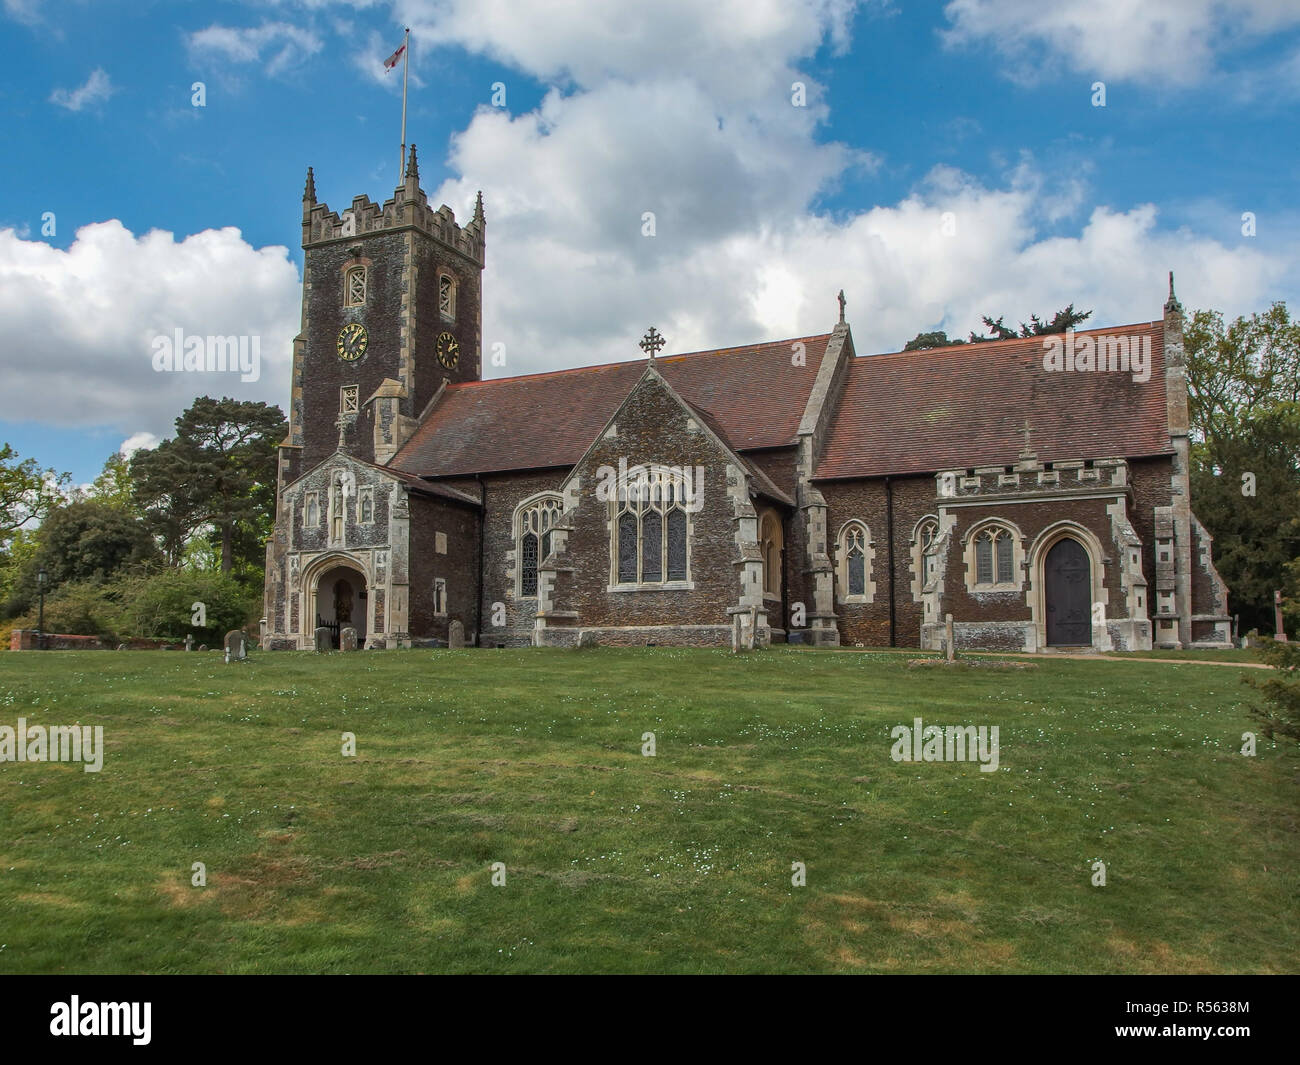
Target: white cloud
<point>88,316</point>
<point>138,442</point>
<point>1174,42</point>
<point>284,44</point>
<point>98,87</point>
<point>735,47</point>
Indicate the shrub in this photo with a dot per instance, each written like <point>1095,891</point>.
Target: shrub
<point>1281,689</point>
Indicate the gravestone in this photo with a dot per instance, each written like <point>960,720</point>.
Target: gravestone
<point>348,639</point>
<point>456,635</point>
<point>236,646</point>
<point>324,645</point>
<point>189,642</point>
<point>121,647</point>
<point>203,647</point>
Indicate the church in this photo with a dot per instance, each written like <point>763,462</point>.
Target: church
<point>794,491</point>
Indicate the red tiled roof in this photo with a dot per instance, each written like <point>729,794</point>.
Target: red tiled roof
<point>960,406</point>
<point>550,419</point>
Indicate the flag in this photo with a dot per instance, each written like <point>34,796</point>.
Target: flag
<point>391,61</point>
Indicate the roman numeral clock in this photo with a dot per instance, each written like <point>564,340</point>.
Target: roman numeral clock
<point>353,341</point>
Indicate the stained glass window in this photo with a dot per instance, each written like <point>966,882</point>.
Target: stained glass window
<point>984,559</point>
<point>627,547</point>
<point>1004,559</point>
<point>677,544</point>
<point>652,534</point>
<point>528,561</point>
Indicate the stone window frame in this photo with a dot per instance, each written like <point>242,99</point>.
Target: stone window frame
<point>350,272</point>
<point>772,550</point>
<point>445,276</point>
<point>348,399</point>
<point>535,516</point>
<point>310,500</point>
<point>661,492</point>
<point>995,528</point>
<point>365,493</point>
<point>919,549</point>
<point>439,597</point>
<point>842,547</point>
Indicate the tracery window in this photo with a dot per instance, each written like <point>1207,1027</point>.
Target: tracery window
<point>854,554</point>
<point>651,532</point>
<point>533,524</point>
<point>994,556</point>
<point>770,542</point>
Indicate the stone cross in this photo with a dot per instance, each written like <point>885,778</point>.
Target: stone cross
<point>1028,451</point>
<point>652,343</point>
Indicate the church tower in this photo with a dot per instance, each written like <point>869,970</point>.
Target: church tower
<point>391,310</point>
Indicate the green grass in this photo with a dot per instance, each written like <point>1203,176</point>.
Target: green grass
<point>616,862</point>
<point>1227,654</point>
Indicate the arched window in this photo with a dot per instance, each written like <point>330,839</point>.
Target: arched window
<point>923,537</point>
<point>650,530</point>
<point>771,545</point>
<point>447,297</point>
<point>354,288</point>
<point>533,523</point>
<point>854,554</point>
<point>995,556</point>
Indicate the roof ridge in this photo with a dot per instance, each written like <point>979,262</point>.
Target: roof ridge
<point>967,346</point>
<point>626,362</point>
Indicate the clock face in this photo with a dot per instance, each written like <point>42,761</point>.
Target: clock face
<point>352,341</point>
<point>448,351</point>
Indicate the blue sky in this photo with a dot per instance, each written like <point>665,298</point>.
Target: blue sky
<point>981,110</point>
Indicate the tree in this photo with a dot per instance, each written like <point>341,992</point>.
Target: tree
<point>937,339</point>
<point>217,473</point>
<point>1064,319</point>
<point>1244,409</point>
<point>1280,688</point>
<point>27,493</point>
<point>113,485</point>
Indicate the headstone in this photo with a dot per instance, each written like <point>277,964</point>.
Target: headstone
<point>323,643</point>
<point>189,642</point>
<point>121,647</point>
<point>456,635</point>
<point>203,647</point>
<point>587,638</point>
<point>236,646</point>
<point>348,639</point>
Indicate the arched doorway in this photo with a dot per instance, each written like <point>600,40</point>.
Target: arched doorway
<point>1068,594</point>
<point>341,602</point>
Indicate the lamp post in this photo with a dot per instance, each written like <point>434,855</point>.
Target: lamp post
<point>42,578</point>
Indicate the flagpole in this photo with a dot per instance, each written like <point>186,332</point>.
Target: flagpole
<point>406,65</point>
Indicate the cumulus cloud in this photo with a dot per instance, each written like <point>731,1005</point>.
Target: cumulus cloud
<point>97,88</point>
<point>89,317</point>
<point>1173,42</point>
<point>138,442</point>
<point>279,46</point>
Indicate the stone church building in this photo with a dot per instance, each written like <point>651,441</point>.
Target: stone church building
<point>1035,489</point>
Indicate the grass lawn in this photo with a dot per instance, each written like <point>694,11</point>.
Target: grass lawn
<point>617,862</point>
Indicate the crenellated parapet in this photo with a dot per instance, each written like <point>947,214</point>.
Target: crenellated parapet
<point>408,207</point>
